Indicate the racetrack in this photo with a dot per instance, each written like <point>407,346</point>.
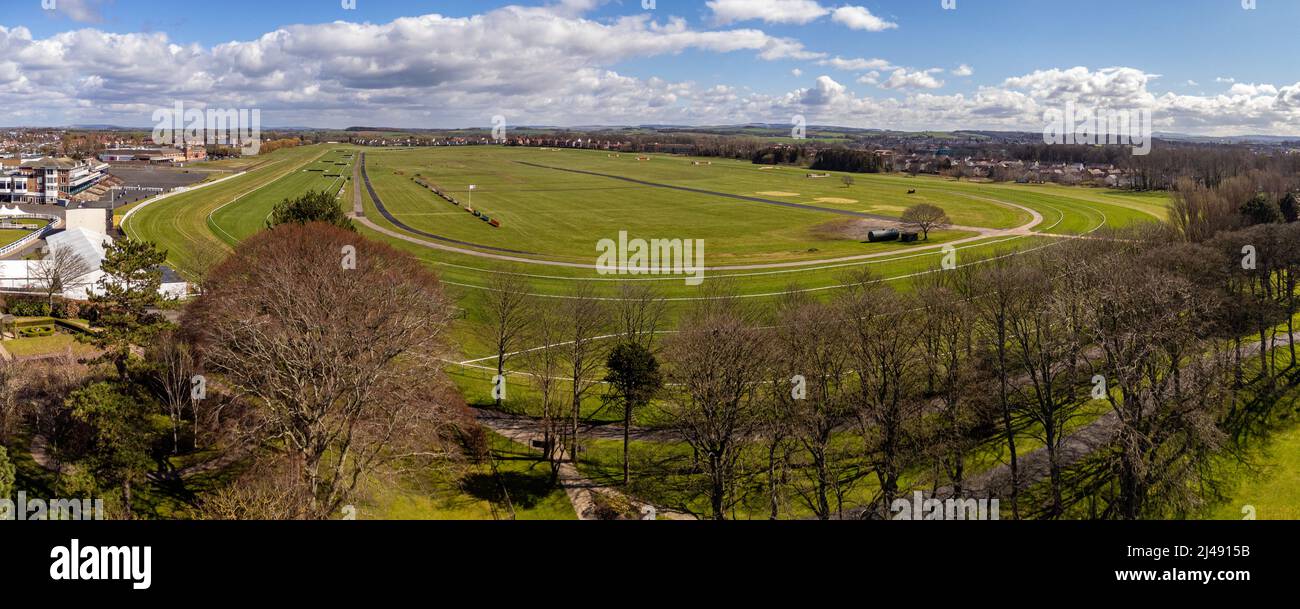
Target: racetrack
<point>504,255</point>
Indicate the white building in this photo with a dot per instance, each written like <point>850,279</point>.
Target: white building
<point>87,244</point>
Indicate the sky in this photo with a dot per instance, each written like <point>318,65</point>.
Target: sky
<point>1206,67</point>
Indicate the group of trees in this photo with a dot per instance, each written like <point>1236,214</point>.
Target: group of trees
<point>1142,337</point>
<point>780,155</point>
<point>853,161</point>
<point>312,359</point>
<point>1202,209</point>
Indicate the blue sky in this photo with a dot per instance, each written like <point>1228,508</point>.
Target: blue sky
<point>1209,65</point>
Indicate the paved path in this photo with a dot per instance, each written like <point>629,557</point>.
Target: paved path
<point>580,489</point>
<point>358,206</point>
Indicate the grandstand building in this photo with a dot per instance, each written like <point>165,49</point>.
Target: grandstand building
<point>174,156</point>
<point>48,180</point>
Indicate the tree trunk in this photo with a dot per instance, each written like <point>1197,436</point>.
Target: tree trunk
<point>627,432</point>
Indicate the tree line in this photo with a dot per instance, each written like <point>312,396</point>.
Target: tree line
<point>1166,349</point>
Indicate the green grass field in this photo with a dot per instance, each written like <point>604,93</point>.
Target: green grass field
<point>556,215</point>
<point>11,235</point>
<point>180,224</point>
<point>48,345</point>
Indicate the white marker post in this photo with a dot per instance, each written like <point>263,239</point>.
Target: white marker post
<point>471,196</point>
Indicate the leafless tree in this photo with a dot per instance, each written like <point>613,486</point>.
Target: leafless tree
<point>585,318</point>
<point>208,255</point>
<point>883,350</point>
<point>508,311</point>
<point>1169,387</point>
<point>994,289</point>
<point>64,269</point>
<point>545,364</point>
<point>639,313</point>
<point>945,334</point>
<point>1043,343</point>
<point>812,385</point>
<point>173,367</point>
<point>337,340</point>
<point>715,370</point>
<point>925,218</point>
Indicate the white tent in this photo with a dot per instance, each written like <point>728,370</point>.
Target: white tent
<point>87,245</point>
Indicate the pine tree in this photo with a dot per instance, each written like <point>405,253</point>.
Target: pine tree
<point>129,288</point>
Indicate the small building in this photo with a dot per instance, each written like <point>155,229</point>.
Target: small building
<point>882,235</point>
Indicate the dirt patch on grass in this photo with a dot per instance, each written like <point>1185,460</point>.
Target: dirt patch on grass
<point>849,229</point>
<point>836,200</point>
<point>777,193</point>
<point>888,208</point>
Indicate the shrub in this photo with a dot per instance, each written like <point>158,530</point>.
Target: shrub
<point>66,309</point>
<point>24,306</point>
<point>36,331</point>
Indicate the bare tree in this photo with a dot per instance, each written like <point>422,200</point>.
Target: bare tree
<point>925,218</point>
<point>1042,345</point>
<point>337,340</point>
<point>883,350</point>
<point>509,314</point>
<point>716,369</point>
<point>64,269</point>
<point>995,291</point>
<point>173,366</point>
<point>945,334</point>
<point>812,385</point>
<point>545,364</point>
<point>585,317</point>
<point>639,313</point>
<point>208,255</point>
<point>1169,387</point>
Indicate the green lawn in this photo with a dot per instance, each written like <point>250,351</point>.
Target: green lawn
<point>47,345</point>
<point>237,221</point>
<point>10,235</point>
<point>180,224</point>
<point>1272,490</point>
<point>561,216</point>
<point>474,492</point>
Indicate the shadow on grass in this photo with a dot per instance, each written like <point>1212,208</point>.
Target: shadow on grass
<point>527,489</point>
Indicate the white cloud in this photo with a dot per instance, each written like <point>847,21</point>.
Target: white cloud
<point>1120,86</point>
<point>856,64</point>
<point>547,66</point>
<point>83,11</point>
<point>771,11</point>
<point>826,92</point>
<point>963,70</point>
<point>859,18</point>
<point>903,78</point>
